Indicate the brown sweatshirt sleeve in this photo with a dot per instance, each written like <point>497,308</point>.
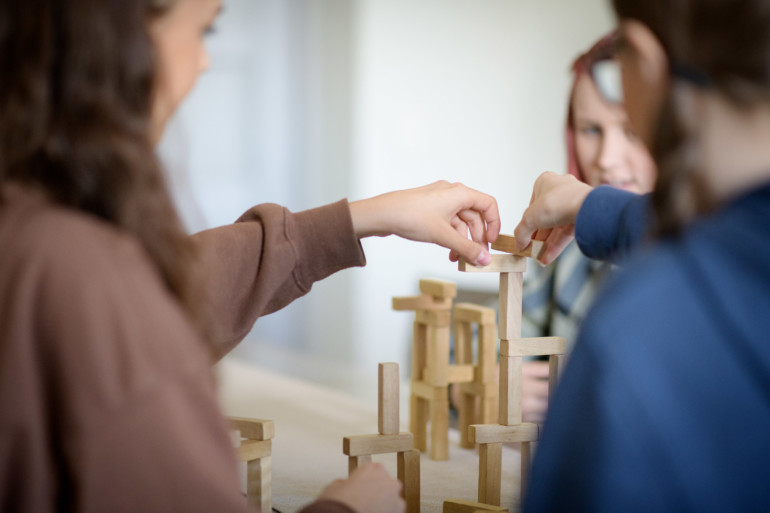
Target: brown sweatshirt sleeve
<point>270,257</point>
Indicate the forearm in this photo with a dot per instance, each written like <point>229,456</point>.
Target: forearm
<point>611,223</point>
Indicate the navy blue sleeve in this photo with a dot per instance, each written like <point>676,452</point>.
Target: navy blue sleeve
<point>611,223</point>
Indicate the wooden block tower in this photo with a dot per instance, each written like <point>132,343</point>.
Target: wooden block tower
<point>513,349</point>
<point>253,440</point>
<point>429,397</point>
<point>360,449</point>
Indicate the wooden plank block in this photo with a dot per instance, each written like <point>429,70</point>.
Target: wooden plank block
<point>439,430</point>
<point>253,449</point>
<point>463,342</point>
<point>361,445</point>
<point>259,481</point>
<point>526,466</point>
<point>506,243</point>
<point>418,421</point>
<point>510,390</point>
<point>490,389</point>
<point>499,264</point>
<point>555,367</point>
<point>509,316</point>
<point>438,318</point>
<point>419,348</point>
<point>388,421</point>
<point>486,370</point>
<point>468,312</point>
<point>538,346</point>
<point>408,465</point>
<point>466,416</point>
<point>254,429</point>
<point>495,433</point>
<point>436,371</point>
<point>490,473</point>
<point>356,461</point>
<point>421,302</point>
<point>461,373</point>
<point>463,506</point>
<point>438,288</point>
<point>429,392</point>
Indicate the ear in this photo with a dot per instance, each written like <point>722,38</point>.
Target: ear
<point>650,56</point>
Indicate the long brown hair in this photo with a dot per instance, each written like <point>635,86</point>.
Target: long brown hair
<point>78,78</point>
<point>722,45</point>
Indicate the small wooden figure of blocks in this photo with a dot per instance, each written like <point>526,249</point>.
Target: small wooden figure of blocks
<point>360,449</point>
<point>432,373</point>
<point>513,349</point>
<point>253,440</point>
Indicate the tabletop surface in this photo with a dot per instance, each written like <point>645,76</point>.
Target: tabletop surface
<point>310,422</point>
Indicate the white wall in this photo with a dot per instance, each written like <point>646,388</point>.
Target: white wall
<point>311,101</point>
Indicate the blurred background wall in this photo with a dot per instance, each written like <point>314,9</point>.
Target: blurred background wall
<point>310,101</point>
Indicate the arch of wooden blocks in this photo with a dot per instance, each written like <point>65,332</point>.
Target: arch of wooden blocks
<point>359,449</point>
<point>254,445</point>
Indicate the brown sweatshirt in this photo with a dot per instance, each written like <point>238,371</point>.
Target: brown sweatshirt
<point>107,397</point>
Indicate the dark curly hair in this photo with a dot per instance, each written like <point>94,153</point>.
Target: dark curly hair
<point>78,78</point>
<point>722,45</point>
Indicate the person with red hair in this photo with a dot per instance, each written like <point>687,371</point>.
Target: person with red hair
<point>601,150</point>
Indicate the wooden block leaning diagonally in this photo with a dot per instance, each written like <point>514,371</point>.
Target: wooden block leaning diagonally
<point>388,420</point>
<point>463,506</point>
<point>438,288</point>
<point>495,433</point>
<point>538,346</point>
<point>361,445</point>
<point>507,244</point>
<point>499,264</point>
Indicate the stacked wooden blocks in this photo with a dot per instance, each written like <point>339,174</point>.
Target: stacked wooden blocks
<point>431,372</point>
<point>254,445</point>
<point>360,449</point>
<point>513,349</point>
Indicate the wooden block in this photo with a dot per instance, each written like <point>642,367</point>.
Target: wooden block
<point>486,370</point>
<point>461,373</point>
<point>499,264</point>
<point>506,243</point>
<point>555,367</point>
<point>490,473</point>
<point>436,371</point>
<point>253,449</point>
<point>438,288</point>
<point>422,302</point>
<point>462,506</point>
<point>526,466</point>
<point>356,461</point>
<point>408,464</point>
<point>466,413</point>
<point>259,482</point>
<point>419,348</point>
<point>463,343</point>
<point>254,429</point>
<point>438,318</point>
<point>418,420</point>
<point>468,312</point>
<point>509,315</point>
<point>388,421</point>
<point>427,391</point>
<point>361,445</point>
<point>510,390</point>
<point>439,430</point>
<point>490,389</point>
<point>539,346</point>
<point>495,433</point>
